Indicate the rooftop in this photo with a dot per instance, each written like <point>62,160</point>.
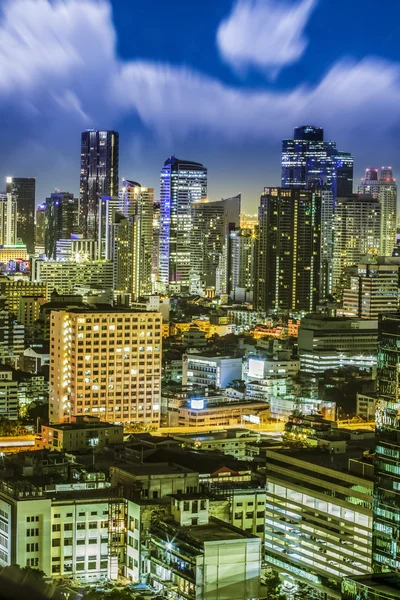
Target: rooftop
<point>385,583</point>
<point>215,531</point>
<point>153,468</point>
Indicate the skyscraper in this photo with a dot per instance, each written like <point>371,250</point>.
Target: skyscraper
<point>182,183</point>
<point>23,190</point>
<point>8,219</point>
<point>137,204</point>
<point>288,250</point>
<point>385,190</point>
<point>40,227</point>
<point>211,223</point>
<point>357,229</point>
<point>386,510</point>
<point>309,160</point>
<point>62,213</point>
<point>99,176</point>
<point>241,264</point>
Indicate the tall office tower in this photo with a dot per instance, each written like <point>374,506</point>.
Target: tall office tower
<point>99,176</point>
<point>137,203</point>
<point>374,290</point>
<point>62,214</point>
<point>356,232</point>
<point>327,209</point>
<point>108,205</point>
<point>288,250</point>
<point>40,228</point>
<point>8,219</point>
<point>241,264</point>
<point>386,510</point>
<point>210,241</point>
<point>105,363</point>
<point>309,160</point>
<point>23,190</point>
<point>182,183</point>
<point>156,244</point>
<point>384,188</point>
<point>121,255</point>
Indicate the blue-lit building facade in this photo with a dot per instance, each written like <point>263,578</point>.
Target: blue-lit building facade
<point>182,183</point>
<point>386,511</point>
<point>308,160</point>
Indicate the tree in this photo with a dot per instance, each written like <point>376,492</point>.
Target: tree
<point>273,587</point>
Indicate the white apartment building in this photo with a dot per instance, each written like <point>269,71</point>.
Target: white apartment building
<point>202,370</point>
<point>105,363</point>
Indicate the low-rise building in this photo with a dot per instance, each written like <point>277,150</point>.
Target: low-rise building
<point>318,520</point>
<point>201,557</point>
<point>336,342</point>
<point>379,586</point>
<point>81,434</point>
<point>366,405</point>
<point>233,441</point>
<point>198,413</point>
<point>208,370</point>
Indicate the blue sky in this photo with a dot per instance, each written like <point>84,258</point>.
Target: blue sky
<point>221,82</point>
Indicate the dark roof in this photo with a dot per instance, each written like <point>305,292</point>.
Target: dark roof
<point>201,462</point>
<point>172,160</point>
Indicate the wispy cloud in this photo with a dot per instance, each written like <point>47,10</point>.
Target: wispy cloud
<point>61,55</point>
<point>266,35</point>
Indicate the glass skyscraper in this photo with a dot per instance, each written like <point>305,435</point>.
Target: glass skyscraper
<point>99,176</point>
<point>23,190</point>
<point>386,511</point>
<point>182,183</point>
<point>308,160</point>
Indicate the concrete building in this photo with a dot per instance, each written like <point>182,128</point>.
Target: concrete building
<point>105,363</point>
<point>335,342</point>
<point>82,434</point>
<point>366,405</point>
<point>357,231</point>
<point>76,248</point>
<point>18,286</point>
<point>206,370</point>
<point>241,265</point>
<point>235,442</point>
<point>9,405</point>
<point>198,413</point>
<point>318,521</point>
<point>29,310</point>
<point>202,557</point>
<point>379,586</point>
<point>374,290</point>
<point>256,367</point>
<point>65,276</point>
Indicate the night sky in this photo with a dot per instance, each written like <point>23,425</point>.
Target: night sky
<point>217,81</point>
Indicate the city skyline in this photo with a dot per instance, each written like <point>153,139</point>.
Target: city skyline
<point>257,95</point>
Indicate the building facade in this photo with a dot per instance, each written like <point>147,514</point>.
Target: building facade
<point>211,224</point>
<point>308,160</point>
<point>182,184</point>
<point>386,526</point>
<point>61,221</point>
<point>99,176</point>
<point>23,190</point>
<point>288,250</point>
<point>357,232</point>
<point>105,363</point>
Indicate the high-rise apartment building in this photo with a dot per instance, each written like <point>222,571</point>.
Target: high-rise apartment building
<point>121,255</point>
<point>105,363</point>
<point>137,203</point>
<point>386,510</point>
<point>62,214</point>
<point>156,244</point>
<point>374,290</point>
<point>8,219</point>
<point>288,251</point>
<point>40,228</point>
<point>99,176</point>
<point>107,207</point>
<point>356,233</point>
<point>23,190</point>
<point>241,263</point>
<point>211,223</point>
<point>384,189</point>
<point>308,160</point>
<point>182,184</point>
